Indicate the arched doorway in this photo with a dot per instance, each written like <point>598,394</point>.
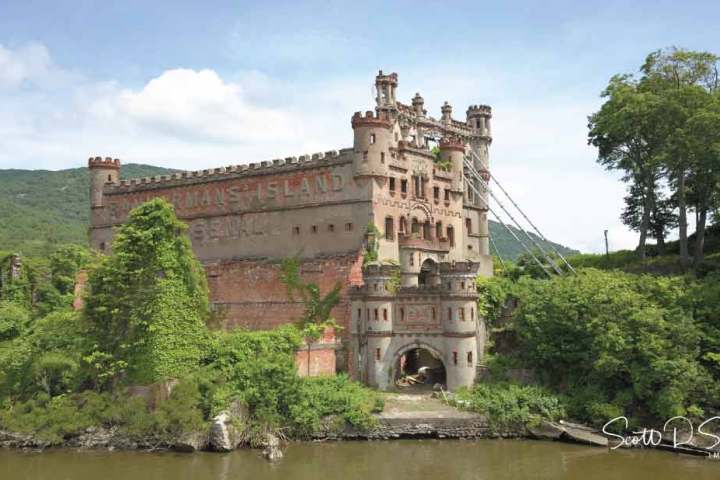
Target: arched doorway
<point>418,368</point>
<point>428,273</point>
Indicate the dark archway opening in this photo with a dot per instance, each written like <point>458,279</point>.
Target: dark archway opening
<point>428,273</point>
<point>419,369</point>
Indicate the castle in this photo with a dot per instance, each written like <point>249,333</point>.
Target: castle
<point>416,305</point>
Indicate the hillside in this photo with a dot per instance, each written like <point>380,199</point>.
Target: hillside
<point>40,209</point>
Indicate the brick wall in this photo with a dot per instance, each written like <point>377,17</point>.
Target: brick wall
<point>249,294</point>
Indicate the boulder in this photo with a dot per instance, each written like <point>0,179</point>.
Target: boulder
<point>226,432</point>
<point>546,431</point>
<point>191,442</point>
<point>582,434</point>
<point>272,451</point>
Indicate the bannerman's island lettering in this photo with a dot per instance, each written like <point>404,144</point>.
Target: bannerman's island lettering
<point>234,197</point>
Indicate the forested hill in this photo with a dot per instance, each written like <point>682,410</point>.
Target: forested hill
<point>40,209</point>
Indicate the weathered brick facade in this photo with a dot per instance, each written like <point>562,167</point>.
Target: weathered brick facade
<point>243,219</point>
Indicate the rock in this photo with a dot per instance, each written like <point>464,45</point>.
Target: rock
<point>224,437</point>
<point>546,431</point>
<point>582,434</point>
<point>191,442</point>
<point>272,450</point>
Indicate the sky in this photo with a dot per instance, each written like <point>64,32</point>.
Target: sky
<point>192,85</point>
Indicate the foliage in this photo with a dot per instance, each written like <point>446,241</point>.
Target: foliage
<point>321,397</point>
<point>14,320</point>
<point>41,209</point>
<point>52,419</point>
<point>613,338</point>
<point>445,165</point>
<point>373,244</point>
<point>317,308</point>
<point>510,405</point>
<point>47,358</point>
<point>147,302</point>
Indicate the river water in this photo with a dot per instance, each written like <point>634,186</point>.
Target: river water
<point>406,459</point>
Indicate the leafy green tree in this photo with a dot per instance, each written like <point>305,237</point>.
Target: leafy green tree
<point>625,131</point>
<point>684,79</point>
<point>147,302</point>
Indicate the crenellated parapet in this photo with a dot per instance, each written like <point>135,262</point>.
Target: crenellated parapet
<point>371,119</point>
<point>268,167</point>
<point>106,163</point>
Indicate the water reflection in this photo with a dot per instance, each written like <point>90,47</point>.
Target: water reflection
<point>417,460</point>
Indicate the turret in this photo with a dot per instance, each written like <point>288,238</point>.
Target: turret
<point>452,151</point>
<point>385,86</point>
<point>371,145</point>
<point>418,104</point>
<point>101,172</point>
<point>460,322</point>
<point>478,119</point>
<point>446,111</point>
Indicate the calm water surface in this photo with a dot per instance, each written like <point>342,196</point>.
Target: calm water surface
<point>417,460</point>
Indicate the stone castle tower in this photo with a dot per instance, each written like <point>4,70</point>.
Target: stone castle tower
<point>416,303</point>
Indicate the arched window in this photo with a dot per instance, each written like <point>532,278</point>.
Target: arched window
<point>403,225</point>
<point>426,230</point>
<point>468,225</point>
<point>389,228</point>
<point>438,230</point>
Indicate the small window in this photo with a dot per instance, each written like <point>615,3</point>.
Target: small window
<point>454,357</point>
<point>372,139</point>
<point>367,314</point>
<point>331,228</point>
<point>376,289</point>
<point>365,155</point>
<point>412,259</point>
<point>109,178</point>
<point>314,229</point>
<point>377,354</point>
<point>472,313</point>
<point>392,184</point>
<point>385,314</point>
<point>296,230</point>
<point>359,317</point>
<point>433,313</point>
<point>102,246</point>
<point>461,311</point>
<point>436,193</point>
<point>382,157</point>
<point>403,186</point>
<point>348,227</point>
<point>389,228</point>
<point>450,314</point>
<point>469,359</point>
<point>447,195</point>
<point>468,225</point>
<point>402,314</point>
<point>376,310</point>
<point>462,285</point>
<point>451,235</point>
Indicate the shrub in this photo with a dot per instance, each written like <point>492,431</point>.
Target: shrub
<point>320,397</point>
<point>510,405</point>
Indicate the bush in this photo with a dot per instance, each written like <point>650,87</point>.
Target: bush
<point>13,320</point>
<point>509,405</point>
<point>320,397</point>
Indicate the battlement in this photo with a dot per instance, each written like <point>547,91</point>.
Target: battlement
<point>464,268</point>
<point>371,119</point>
<point>380,270</point>
<point>452,143</point>
<point>473,110</point>
<point>99,162</point>
<point>250,169</point>
<point>391,78</point>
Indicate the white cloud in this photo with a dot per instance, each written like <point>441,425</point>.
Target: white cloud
<point>30,64</point>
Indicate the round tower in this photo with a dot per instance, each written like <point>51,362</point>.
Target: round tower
<point>460,322</point>
<point>101,172</point>
<point>446,111</point>
<point>452,151</point>
<point>478,119</point>
<point>378,322</point>
<point>371,144</point>
<point>418,104</point>
<point>386,86</point>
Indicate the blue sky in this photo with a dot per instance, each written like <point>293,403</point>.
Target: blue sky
<point>191,85</point>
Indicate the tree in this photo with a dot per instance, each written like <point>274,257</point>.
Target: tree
<point>662,215</point>
<point>625,131</point>
<point>147,302</point>
<point>683,78</point>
